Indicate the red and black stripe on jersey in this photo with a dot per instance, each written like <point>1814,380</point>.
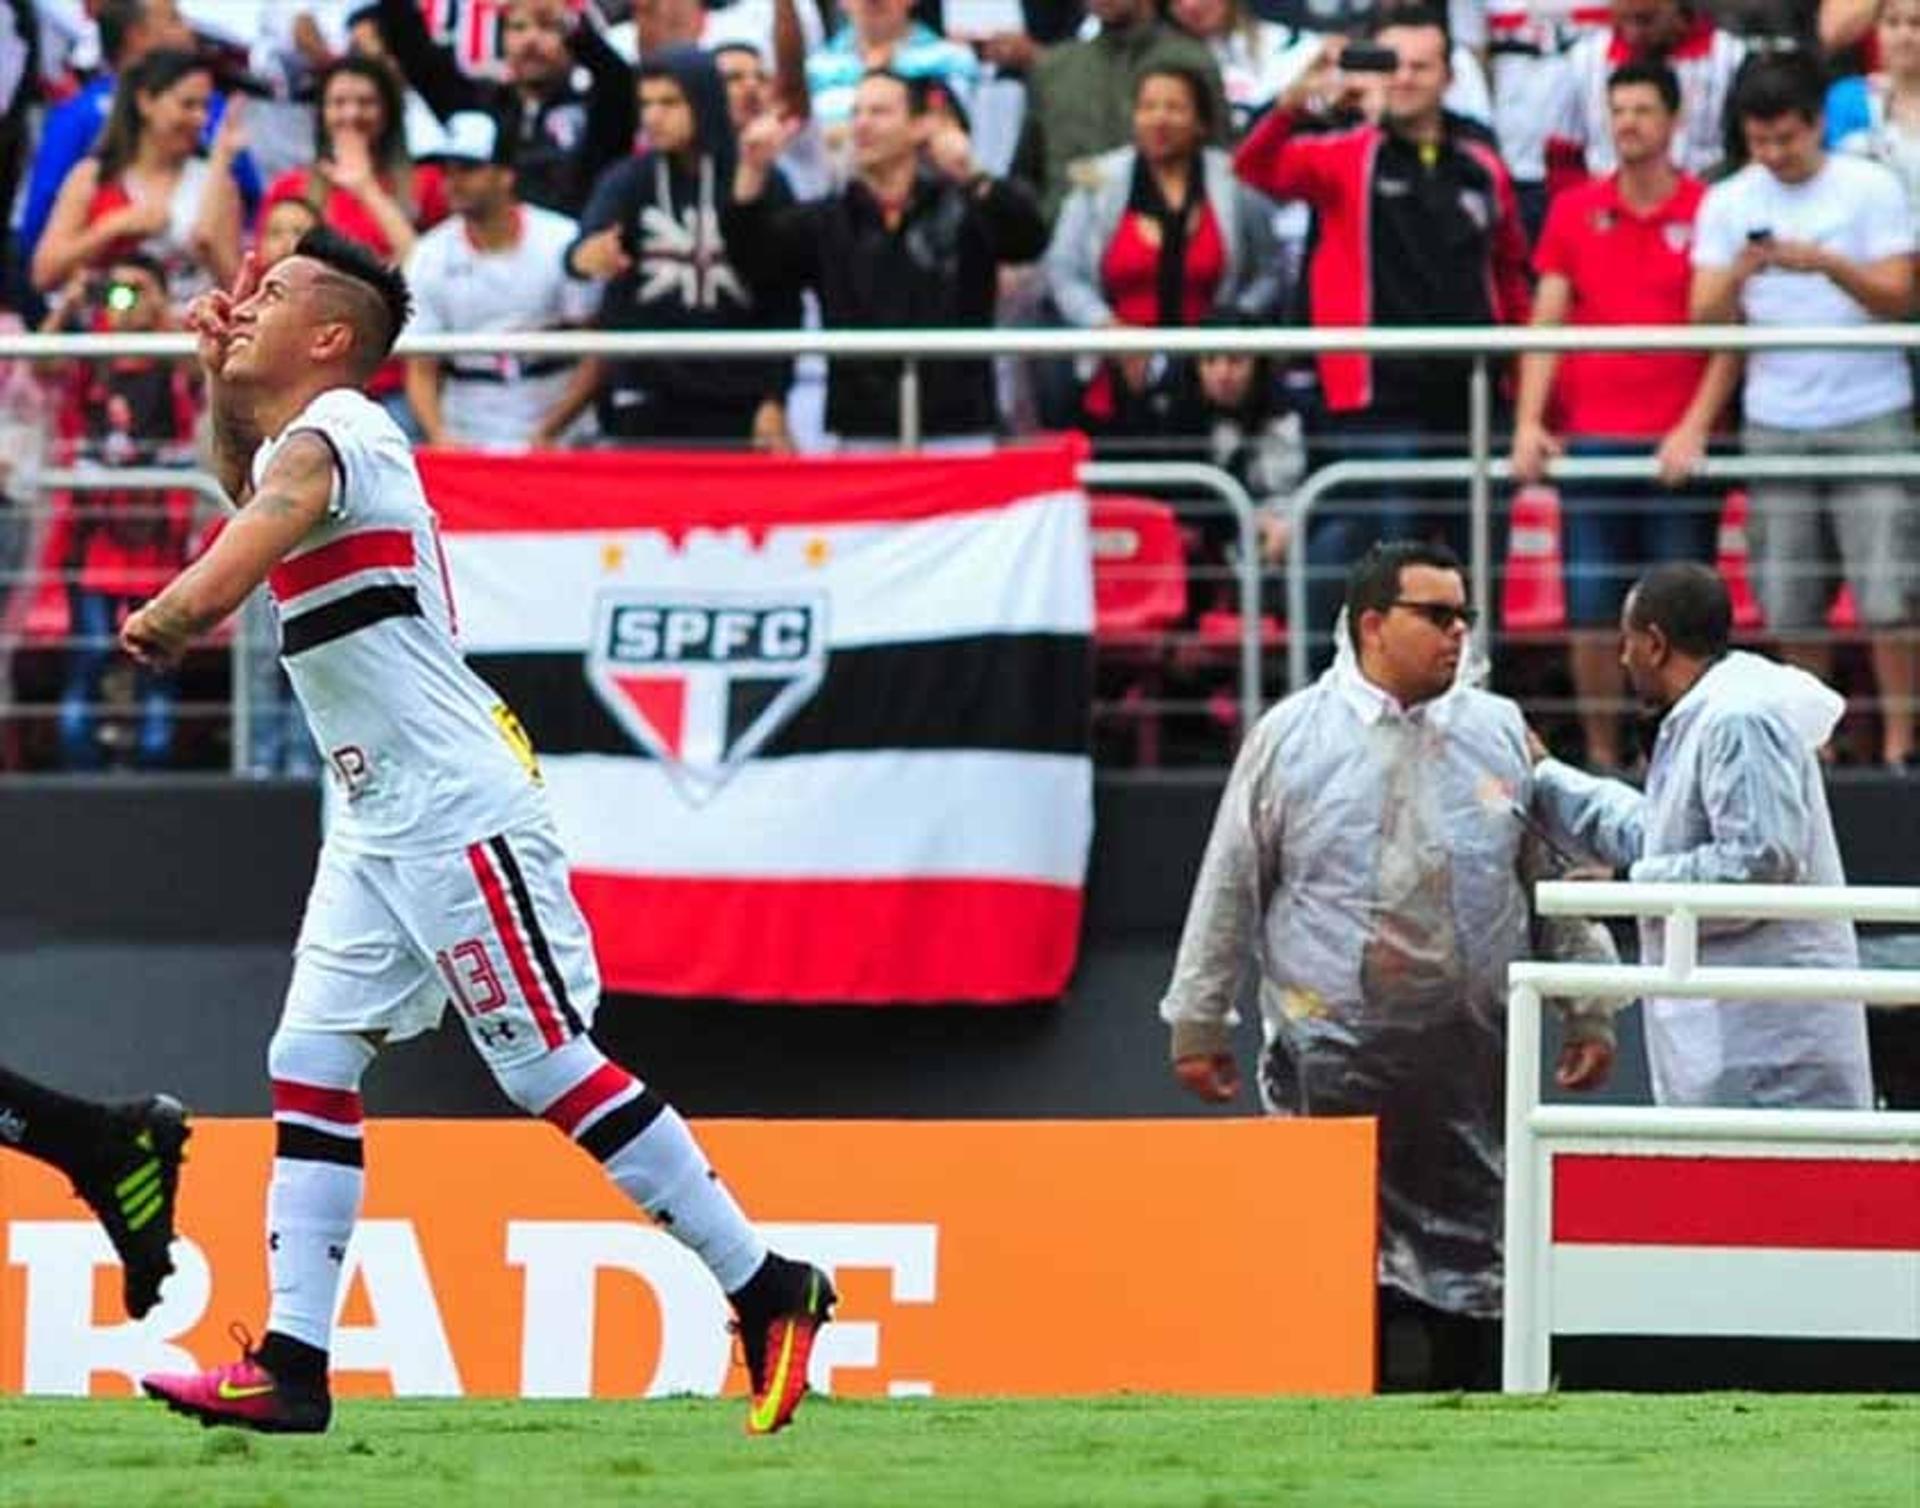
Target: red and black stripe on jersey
<point>378,554</point>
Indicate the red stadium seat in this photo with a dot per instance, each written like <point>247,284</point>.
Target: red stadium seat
<point>1732,561</point>
<point>1139,570</point>
<point>1219,629</point>
<point>1139,598</point>
<point>1534,598</point>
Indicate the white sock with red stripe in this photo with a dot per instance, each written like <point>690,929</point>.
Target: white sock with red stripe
<point>646,1148</point>
<point>318,1176</point>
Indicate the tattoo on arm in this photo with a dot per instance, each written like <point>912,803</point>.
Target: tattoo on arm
<point>174,624</point>
<point>233,437</point>
<point>300,476</point>
<point>301,466</point>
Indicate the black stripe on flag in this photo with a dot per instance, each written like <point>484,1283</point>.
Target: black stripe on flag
<point>1022,693</point>
<point>530,924</point>
<point>1756,1363</point>
<point>346,615</point>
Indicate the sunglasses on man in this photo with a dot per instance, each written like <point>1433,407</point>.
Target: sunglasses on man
<point>1442,615</point>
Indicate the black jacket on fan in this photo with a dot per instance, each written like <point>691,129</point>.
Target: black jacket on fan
<point>669,212</point>
<point>563,141</point>
<point>938,268</point>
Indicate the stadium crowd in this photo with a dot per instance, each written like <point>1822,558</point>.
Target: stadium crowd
<point>669,165</point>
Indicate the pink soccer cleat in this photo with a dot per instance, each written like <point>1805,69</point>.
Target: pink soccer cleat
<point>778,1347</point>
<point>244,1394</point>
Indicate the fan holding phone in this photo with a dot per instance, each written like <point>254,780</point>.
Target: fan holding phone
<point>1417,226</point>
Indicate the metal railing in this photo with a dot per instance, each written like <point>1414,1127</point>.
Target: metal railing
<point>1312,493</point>
<point>1097,474</point>
<point>1479,470</point>
<point>1534,1130</point>
<point>1223,488</point>
<point>93,477</point>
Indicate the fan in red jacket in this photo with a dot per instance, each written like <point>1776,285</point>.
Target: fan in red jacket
<point>1416,224</point>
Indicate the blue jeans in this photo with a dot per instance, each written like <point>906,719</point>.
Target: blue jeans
<point>94,624</point>
<point>1344,527</point>
<point>1610,532</point>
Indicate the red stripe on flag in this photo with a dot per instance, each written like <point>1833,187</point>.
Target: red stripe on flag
<point>522,966</point>
<point>673,493</point>
<point>1849,1204</point>
<point>341,1106</point>
<point>866,941</point>
<point>661,701</point>
<point>603,1084</point>
<point>368,550</point>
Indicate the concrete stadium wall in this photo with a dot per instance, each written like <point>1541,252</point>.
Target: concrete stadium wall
<point>145,928</point>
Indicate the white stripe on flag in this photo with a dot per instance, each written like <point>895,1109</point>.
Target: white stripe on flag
<point>939,578</point>
<point>1736,1290</point>
<point>880,814</point>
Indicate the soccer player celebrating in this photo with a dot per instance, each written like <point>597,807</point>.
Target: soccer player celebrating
<point>441,878</point>
<point>124,1161</point>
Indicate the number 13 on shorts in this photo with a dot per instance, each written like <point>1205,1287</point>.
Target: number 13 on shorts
<point>471,977</point>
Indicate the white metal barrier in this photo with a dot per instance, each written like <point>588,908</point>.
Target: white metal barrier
<point>1535,1132</point>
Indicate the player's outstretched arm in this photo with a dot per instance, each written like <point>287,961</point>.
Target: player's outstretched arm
<point>292,498</point>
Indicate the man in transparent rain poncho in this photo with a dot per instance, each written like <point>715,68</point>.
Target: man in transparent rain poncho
<point>1373,851</point>
<point>1734,796</point>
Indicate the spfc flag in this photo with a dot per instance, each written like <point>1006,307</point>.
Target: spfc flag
<point>814,730</point>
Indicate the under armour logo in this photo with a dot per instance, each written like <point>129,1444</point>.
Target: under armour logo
<point>493,1033</point>
<point>273,1241</point>
<point>336,1253</point>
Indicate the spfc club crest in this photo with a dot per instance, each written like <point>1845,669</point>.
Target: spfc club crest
<point>702,680</point>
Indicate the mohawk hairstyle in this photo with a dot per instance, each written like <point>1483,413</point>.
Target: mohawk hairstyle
<point>354,262</point>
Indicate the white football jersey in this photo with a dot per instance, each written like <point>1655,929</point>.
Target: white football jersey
<point>425,755</point>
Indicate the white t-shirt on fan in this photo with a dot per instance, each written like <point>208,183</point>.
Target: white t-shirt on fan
<point>1852,206</point>
<point>459,289</point>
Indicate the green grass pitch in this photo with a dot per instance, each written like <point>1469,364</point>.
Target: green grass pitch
<point>1587,1450</point>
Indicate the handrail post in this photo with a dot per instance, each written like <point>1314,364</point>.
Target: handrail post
<point>1480,500</point>
<point>1306,498</point>
<point>910,404</point>
<point>1681,951</point>
<point>1250,646</point>
<point>240,698</point>
<point>1523,1345</point>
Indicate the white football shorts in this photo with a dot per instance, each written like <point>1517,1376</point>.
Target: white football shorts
<point>491,930</point>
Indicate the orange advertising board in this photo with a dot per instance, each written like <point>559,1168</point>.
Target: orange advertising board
<point>977,1257</point>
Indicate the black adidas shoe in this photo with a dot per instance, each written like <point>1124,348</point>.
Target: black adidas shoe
<point>131,1188</point>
